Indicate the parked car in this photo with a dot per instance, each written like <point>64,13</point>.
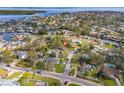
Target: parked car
<point>8,65</point>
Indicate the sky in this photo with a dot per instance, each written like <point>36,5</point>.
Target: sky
<point>74,8</point>
<point>62,3</point>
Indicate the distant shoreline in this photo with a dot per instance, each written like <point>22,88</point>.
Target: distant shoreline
<point>20,12</point>
<point>118,9</point>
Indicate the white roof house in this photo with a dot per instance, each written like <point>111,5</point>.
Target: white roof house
<point>22,54</point>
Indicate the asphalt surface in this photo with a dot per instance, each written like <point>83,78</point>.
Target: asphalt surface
<point>59,76</point>
<point>68,64</point>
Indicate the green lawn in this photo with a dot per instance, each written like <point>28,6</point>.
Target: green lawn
<point>108,46</point>
<point>74,59</point>
<point>59,68</point>
<point>63,60</point>
<point>122,83</point>
<point>14,75</point>
<point>3,72</point>
<point>88,78</point>
<point>73,84</point>
<point>27,75</point>
<point>108,82</point>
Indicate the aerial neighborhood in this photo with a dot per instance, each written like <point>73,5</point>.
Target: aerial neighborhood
<point>66,49</point>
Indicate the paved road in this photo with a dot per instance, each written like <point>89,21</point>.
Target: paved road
<point>55,75</point>
<point>68,64</point>
<point>116,80</point>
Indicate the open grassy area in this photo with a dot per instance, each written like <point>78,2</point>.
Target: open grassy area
<point>20,12</point>
<point>122,83</point>
<point>3,73</point>
<point>108,82</point>
<point>14,75</point>
<point>73,84</point>
<point>27,75</point>
<point>103,81</point>
<point>60,68</point>
<point>108,46</point>
<point>88,78</point>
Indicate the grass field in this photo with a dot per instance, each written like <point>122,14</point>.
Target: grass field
<point>73,84</point>
<point>27,75</point>
<point>108,82</point>
<point>108,46</point>
<point>14,75</point>
<point>3,73</point>
<point>60,68</point>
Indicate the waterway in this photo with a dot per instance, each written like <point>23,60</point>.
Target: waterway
<point>54,11</point>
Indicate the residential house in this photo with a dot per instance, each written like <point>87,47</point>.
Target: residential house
<point>22,54</point>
